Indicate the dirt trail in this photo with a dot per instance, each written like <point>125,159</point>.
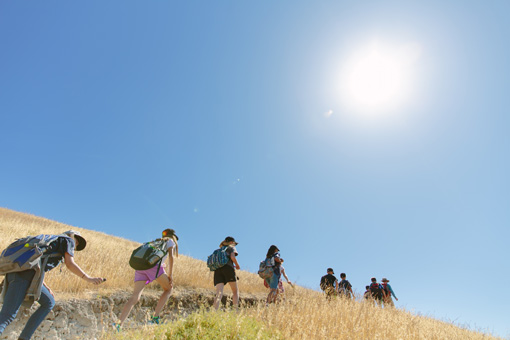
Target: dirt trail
<point>90,318</point>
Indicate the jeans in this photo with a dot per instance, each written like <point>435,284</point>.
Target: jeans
<point>14,296</point>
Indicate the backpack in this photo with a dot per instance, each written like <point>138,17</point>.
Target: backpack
<point>149,254</point>
<point>265,271</point>
<point>28,253</point>
<point>218,258</point>
<point>376,290</point>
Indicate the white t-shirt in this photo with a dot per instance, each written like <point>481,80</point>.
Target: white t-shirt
<point>169,245</point>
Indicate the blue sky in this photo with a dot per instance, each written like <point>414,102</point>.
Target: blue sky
<point>129,117</point>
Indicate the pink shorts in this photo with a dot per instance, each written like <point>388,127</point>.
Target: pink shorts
<point>149,275</point>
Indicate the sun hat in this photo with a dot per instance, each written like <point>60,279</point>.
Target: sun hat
<point>81,241</point>
<point>385,280</point>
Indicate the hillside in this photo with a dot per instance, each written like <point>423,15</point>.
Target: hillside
<point>85,311</point>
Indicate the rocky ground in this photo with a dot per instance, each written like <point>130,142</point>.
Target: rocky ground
<point>91,318</point>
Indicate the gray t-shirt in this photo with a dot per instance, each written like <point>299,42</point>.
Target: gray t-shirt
<point>229,251</point>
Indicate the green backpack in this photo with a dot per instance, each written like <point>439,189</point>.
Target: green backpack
<point>149,254</point>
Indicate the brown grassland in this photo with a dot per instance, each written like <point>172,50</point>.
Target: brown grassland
<point>304,315</point>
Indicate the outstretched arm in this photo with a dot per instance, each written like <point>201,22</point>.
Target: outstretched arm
<point>76,270</point>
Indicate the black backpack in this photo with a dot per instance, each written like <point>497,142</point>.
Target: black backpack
<point>376,290</point>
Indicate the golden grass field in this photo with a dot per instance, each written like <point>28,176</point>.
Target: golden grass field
<point>304,315</point>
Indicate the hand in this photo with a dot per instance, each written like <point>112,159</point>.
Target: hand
<point>238,267</point>
<point>396,299</point>
<point>49,289</point>
<point>94,280</point>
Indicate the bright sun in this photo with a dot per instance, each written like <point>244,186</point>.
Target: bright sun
<point>378,77</point>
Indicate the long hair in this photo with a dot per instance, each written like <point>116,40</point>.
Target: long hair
<point>273,249</point>
<point>170,234</point>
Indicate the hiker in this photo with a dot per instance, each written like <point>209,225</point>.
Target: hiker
<point>281,287</point>
<point>345,287</point>
<point>377,291</point>
<point>227,273</point>
<point>329,283</point>
<point>274,260</point>
<point>159,273</point>
<point>367,295</point>
<point>389,292</point>
<point>18,285</point>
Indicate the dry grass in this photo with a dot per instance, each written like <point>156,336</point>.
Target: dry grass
<point>308,315</point>
<point>305,314</point>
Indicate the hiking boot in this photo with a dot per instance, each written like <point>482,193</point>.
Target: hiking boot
<point>117,327</point>
<point>155,320</point>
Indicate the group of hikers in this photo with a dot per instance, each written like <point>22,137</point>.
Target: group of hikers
<point>25,262</point>
<point>379,293</point>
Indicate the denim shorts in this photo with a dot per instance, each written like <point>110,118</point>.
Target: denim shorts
<point>273,281</point>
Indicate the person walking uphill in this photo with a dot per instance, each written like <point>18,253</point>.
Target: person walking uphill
<point>273,259</point>
<point>329,283</point>
<point>152,256</point>
<point>377,291</point>
<point>225,270</point>
<point>389,292</point>
<point>26,277</point>
<point>345,287</point>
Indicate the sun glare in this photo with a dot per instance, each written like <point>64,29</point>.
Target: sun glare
<point>378,77</point>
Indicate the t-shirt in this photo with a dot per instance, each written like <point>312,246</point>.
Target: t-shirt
<point>328,281</point>
<point>169,245</point>
<point>345,285</point>
<point>61,246</point>
<point>229,251</point>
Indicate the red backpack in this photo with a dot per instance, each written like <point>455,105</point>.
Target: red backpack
<point>376,290</point>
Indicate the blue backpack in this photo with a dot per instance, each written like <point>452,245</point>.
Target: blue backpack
<point>218,258</point>
<point>266,271</point>
<point>28,253</point>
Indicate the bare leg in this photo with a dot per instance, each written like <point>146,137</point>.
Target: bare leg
<point>235,293</point>
<point>165,283</point>
<point>271,297</point>
<point>219,295</point>
<point>137,292</point>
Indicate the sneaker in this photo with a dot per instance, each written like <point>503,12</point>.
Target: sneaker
<point>154,320</point>
<point>117,327</point>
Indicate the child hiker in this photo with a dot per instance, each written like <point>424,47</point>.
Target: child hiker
<point>227,273</point>
<point>158,273</point>
<point>274,260</point>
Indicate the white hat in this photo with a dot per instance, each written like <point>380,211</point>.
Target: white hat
<point>81,241</point>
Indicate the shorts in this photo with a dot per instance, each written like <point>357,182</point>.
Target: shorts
<point>273,281</point>
<point>224,274</point>
<point>149,275</point>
